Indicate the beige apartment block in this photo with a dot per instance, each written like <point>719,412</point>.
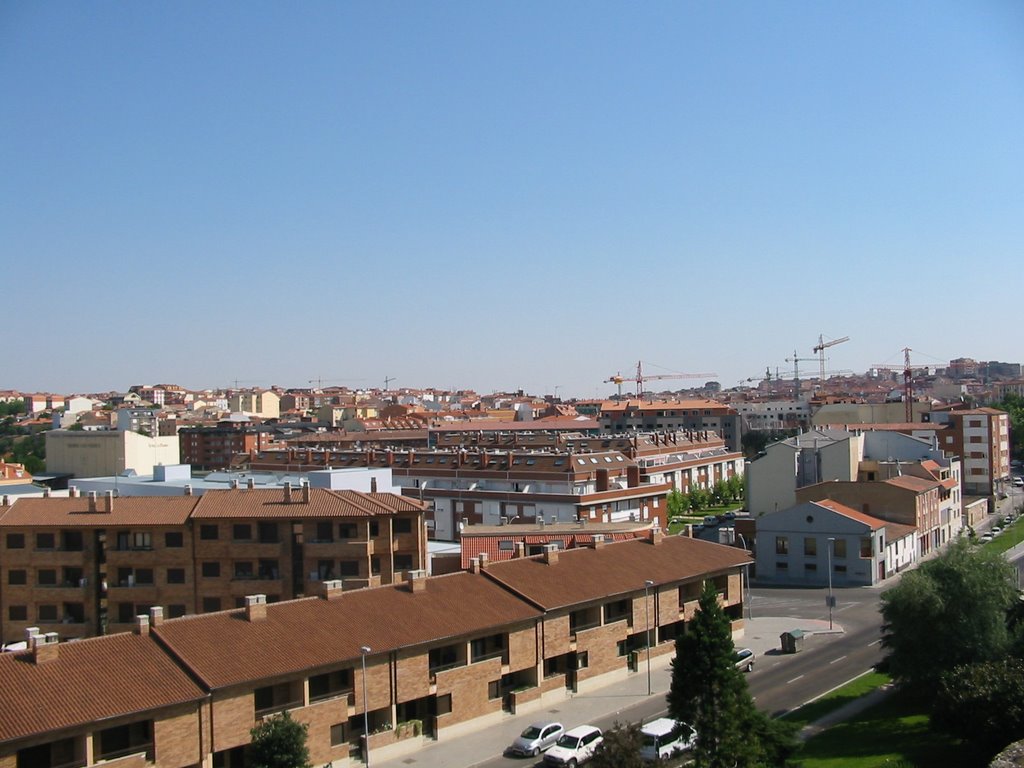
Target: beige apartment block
<point>102,454</point>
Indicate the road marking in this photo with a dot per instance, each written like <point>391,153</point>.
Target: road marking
<point>876,642</point>
<point>794,679</point>
<point>835,660</point>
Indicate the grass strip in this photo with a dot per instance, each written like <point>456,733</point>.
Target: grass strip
<point>833,700</point>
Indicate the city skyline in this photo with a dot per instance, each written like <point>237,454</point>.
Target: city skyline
<point>504,197</point>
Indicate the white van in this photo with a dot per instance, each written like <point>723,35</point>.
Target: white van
<point>665,737</point>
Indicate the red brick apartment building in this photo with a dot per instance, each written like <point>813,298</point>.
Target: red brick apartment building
<point>85,566</point>
<point>209,448</point>
<point>620,478</point>
<point>469,647</point>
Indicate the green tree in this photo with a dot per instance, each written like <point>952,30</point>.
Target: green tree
<point>719,492</point>
<point>950,611</point>
<point>707,691</point>
<point>677,503</point>
<point>1014,406</point>
<point>621,749</point>
<point>982,703</point>
<point>279,742</point>
<point>735,487</point>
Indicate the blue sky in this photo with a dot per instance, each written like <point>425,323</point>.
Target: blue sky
<point>504,195</point>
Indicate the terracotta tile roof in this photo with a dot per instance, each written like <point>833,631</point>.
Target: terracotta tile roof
<point>584,575</point>
<point>126,510</point>
<point>872,522</point>
<point>225,649</point>
<point>270,503</point>
<point>89,681</point>
<point>911,483</point>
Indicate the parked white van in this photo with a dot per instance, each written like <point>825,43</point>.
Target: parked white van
<point>665,737</point>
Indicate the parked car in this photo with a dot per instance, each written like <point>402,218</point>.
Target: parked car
<point>574,747</point>
<point>745,660</point>
<point>1018,481</point>
<point>536,738</point>
<point>665,738</point>
<point>985,537</point>
<point>995,530</point>
<point>711,520</point>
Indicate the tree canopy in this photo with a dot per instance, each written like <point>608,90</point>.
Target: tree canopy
<point>279,742</point>
<point>950,611</point>
<point>620,748</point>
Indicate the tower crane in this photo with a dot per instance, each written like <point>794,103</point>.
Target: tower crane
<point>819,350</point>
<point>387,382</point>
<point>795,360</point>
<point>330,382</point>
<point>908,382</point>
<point>640,378</point>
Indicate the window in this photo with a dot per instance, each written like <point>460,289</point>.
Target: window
<point>47,577</point>
<point>211,570</point>
<point>494,689</point>
<point>330,684</point>
<point>174,539</point>
<point>211,604</point>
<point>142,540</point>
<point>403,525</point>
<point>175,575</point>
<point>374,529</point>
<point>71,541</point>
<point>810,547</point>
<point>125,613</point>
<point>17,613</point>
<point>208,532</point>
<point>268,533</point>
<point>839,549</point>
<point>337,734</point>
<point>347,531</point>
<point>268,569</point>
<point>73,577</point>
<point>506,546</point>
<point>143,575</point>
<point>444,704</point>
<point>810,567</point>
<point>45,541</point>
<point>865,546</point>
<point>348,568</point>
<point>243,569</point>
<point>175,611</point>
<point>325,570</point>
<point>241,532</point>
<point>16,577</point>
<point>781,565</point>
<point>324,531</point>
<point>15,540</point>
<point>375,566</point>
<point>47,612</point>
<point>403,562</point>
<point>781,545</point>
<point>840,568</point>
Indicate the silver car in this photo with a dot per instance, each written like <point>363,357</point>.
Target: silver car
<point>537,738</point>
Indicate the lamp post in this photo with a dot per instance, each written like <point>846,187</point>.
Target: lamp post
<point>746,575</point>
<point>830,600</point>
<point>366,713</point>
<point>647,615</point>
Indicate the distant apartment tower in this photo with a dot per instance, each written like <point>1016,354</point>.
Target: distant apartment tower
<point>981,437</point>
<point>209,448</point>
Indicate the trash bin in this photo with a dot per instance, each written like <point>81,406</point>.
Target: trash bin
<point>792,641</point>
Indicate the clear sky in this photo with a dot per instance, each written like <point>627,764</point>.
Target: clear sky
<point>504,194</point>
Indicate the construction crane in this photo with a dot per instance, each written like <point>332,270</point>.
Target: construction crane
<point>908,382</point>
<point>330,382</point>
<point>387,382</point>
<point>640,378</point>
<point>819,350</point>
<point>796,372</point>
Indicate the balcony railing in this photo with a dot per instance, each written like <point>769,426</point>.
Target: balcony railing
<point>434,669</point>
<point>495,654</point>
<point>583,626</point>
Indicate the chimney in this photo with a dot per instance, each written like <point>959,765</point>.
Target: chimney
<point>46,492</point>
<point>142,624</point>
<point>550,554</point>
<point>305,491</point>
<point>599,540</point>
<point>373,485</point>
<point>287,492</point>
<point>7,501</point>
<point>44,647</point>
<point>72,492</point>
<point>188,489</point>
<point>502,519</point>
<point>417,581</point>
<point>156,616</point>
<point>520,549</point>
<point>108,501</point>
<point>330,590</point>
<point>234,484</point>
<point>391,458</point>
<point>255,607</point>
<point>250,483</point>
<point>540,520</point>
<point>655,534</point>
<point>474,565</point>
<point>483,561</point>
<point>30,632</point>
<point>92,501</point>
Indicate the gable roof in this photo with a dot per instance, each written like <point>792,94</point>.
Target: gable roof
<point>125,510</point>
<point>225,649</point>
<point>585,575</point>
<point>270,503</point>
<point>893,531</point>
<point>89,681</point>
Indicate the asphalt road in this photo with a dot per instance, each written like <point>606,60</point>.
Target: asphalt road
<point>781,682</point>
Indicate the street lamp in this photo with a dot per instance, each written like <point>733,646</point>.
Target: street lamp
<point>830,600</point>
<point>746,574</point>
<point>366,713</point>
<point>647,615</point>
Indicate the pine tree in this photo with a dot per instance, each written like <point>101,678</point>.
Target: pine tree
<point>709,693</point>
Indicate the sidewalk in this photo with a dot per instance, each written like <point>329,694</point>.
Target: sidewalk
<point>470,749</point>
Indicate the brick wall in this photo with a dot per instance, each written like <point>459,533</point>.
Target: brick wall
<point>233,717</point>
<point>556,635</point>
<point>320,716</point>
<point>522,647</point>
<point>412,675</point>
<point>600,645</point>
<point>176,737</point>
